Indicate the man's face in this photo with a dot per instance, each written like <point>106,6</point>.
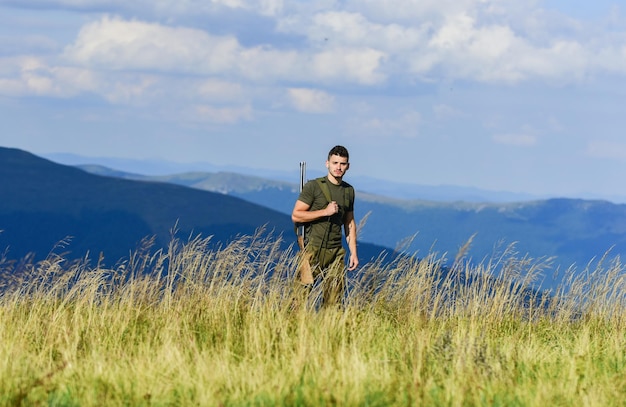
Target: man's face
<point>337,166</point>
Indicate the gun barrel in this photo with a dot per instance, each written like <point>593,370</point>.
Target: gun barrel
<point>302,174</point>
<point>302,181</point>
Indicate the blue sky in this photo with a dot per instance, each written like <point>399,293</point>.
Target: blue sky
<point>495,94</point>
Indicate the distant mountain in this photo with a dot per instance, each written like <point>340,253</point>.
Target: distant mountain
<point>397,190</point>
<point>574,231</point>
<point>155,167</point>
<point>44,202</point>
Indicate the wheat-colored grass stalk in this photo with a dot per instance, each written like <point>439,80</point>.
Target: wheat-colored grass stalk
<point>203,324</point>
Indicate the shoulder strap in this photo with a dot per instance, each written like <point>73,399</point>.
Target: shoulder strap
<point>324,187</point>
<point>348,194</point>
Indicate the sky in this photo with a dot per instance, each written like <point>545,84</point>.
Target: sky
<point>504,95</point>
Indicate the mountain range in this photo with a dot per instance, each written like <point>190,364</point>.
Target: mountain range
<point>47,206</point>
<point>398,190</point>
<point>388,188</point>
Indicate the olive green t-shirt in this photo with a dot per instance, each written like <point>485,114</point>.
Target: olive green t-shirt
<point>327,231</point>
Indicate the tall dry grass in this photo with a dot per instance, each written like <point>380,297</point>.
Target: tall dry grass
<point>201,325</point>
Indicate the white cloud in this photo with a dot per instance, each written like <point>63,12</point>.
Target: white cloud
<point>341,29</point>
<point>462,48</point>
<point>487,41</point>
<point>361,65</point>
<point>311,100</point>
<point>31,76</point>
<point>113,43</point>
<point>363,42</point>
<point>27,76</point>
<point>116,44</point>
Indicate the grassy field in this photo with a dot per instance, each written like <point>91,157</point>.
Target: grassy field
<point>194,325</point>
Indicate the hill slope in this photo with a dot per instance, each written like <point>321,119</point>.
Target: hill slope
<point>43,202</point>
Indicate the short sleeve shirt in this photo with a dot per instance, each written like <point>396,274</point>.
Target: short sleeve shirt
<point>327,232</point>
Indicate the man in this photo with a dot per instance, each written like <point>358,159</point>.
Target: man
<point>325,206</point>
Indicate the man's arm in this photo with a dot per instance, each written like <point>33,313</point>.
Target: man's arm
<point>350,230</point>
<point>301,213</point>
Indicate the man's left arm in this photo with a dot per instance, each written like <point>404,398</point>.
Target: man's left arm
<point>350,230</point>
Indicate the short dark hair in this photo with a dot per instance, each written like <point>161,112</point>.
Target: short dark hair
<point>341,151</point>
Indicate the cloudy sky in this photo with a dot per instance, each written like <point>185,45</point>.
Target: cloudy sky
<point>522,96</point>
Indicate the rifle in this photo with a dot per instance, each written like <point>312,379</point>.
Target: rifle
<point>304,263</point>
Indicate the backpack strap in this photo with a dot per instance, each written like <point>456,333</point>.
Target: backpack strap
<point>321,181</point>
<point>348,194</point>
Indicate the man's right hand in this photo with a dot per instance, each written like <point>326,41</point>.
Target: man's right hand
<point>332,208</point>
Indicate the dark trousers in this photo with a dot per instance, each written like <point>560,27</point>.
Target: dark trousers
<point>328,266</point>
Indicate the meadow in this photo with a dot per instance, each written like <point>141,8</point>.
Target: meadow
<point>195,324</point>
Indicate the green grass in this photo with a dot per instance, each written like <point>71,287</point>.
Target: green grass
<point>192,325</point>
